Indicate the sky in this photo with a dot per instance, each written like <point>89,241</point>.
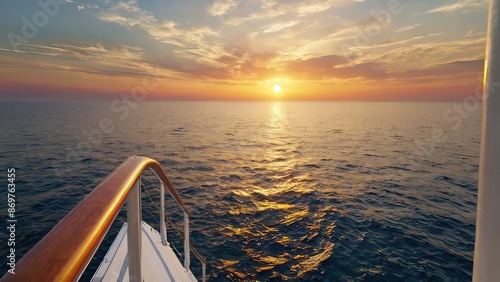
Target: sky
<point>341,50</point>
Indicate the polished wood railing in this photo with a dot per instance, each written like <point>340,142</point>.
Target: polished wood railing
<point>64,253</point>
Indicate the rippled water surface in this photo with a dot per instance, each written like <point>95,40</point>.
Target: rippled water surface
<point>277,190</point>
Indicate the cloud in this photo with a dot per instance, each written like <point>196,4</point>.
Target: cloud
<point>407,28</point>
<point>463,49</point>
<point>331,66</point>
<point>474,33</point>
<point>126,14</point>
<point>31,49</point>
<point>299,8</point>
<point>99,59</point>
<point>196,43</point>
<point>233,63</point>
<point>247,64</point>
<point>279,26</point>
<point>405,59</point>
<point>220,7</point>
<point>271,9</point>
<point>82,52</point>
<point>446,69</point>
<point>466,5</point>
<point>290,27</point>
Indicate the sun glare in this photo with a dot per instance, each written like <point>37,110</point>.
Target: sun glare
<point>277,88</point>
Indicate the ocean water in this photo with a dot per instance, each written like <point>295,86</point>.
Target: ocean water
<point>299,191</point>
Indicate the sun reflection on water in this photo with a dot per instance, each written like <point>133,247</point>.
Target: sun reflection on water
<point>274,208</point>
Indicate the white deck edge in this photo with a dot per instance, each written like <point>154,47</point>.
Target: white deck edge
<point>165,267</point>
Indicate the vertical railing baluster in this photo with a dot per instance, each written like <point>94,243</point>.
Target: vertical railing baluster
<point>187,251</point>
<point>163,228</point>
<point>203,272</point>
<point>134,232</point>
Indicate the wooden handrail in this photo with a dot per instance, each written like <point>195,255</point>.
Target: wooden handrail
<point>64,253</point>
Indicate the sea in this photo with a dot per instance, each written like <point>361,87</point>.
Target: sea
<point>278,191</point>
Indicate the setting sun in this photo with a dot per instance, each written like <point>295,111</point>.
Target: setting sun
<point>277,88</point>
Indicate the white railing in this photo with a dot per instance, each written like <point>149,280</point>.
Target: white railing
<point>134,219</point>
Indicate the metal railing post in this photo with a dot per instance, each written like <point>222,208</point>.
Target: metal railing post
<point>134,219</point>
<point>187,251</point>
<point>203,272</point>
<point>163,228</point>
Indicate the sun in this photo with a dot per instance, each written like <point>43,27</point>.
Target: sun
<point>277,88</point>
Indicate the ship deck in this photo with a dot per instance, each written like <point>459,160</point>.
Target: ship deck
<point>159,262</point>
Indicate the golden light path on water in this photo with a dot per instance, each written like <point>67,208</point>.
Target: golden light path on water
<point>280,159</point>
